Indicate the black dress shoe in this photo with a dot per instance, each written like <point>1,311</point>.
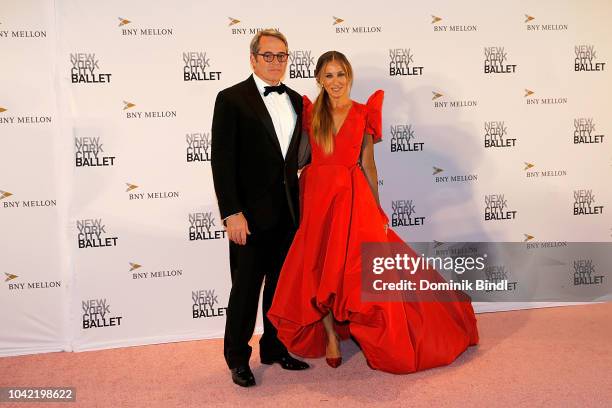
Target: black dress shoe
<point>243,376</point>
<point>287,362</point>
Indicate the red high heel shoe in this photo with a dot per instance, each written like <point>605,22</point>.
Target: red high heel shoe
<point>334,362</point>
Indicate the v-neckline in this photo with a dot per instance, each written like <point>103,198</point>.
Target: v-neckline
<point>345,118</point>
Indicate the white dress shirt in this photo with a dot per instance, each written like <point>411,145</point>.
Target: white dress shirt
<point>281,111</point>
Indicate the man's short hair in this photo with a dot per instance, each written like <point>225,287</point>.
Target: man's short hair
<point>270,32</point>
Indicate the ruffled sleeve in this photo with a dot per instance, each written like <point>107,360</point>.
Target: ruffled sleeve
<point>374,115</point>
<point>306,114</point>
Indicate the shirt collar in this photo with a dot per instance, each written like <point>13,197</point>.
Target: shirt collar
<point>261,84</point>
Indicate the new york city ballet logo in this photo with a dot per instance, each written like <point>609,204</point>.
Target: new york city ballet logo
<point>584,273</point>
<point>496,208</point>
<point>137,272</point>
<point>238,29</point>
<point>401,62</point>
<point>452,178</point>
<point>89,152</point>
<point>140,195</point>
<point>496,135</point>
<point>439,26</point>
<point>32,285</point>
<point>301,64</point>
<point>537,173</point>
<point>495,62</point>
<point>135,114</point>
<point>533,99</point>
<point>129,29</point>
<point>584,203</point>
<point>91,233</point>
<point>402,139</point>
<point>404,214</point>
<point>585,59</point>
<point>542,27</point>
<point>86,69</point>
<point>584,132</point>
<point>15,202</point>
<point>341,28</point>
<point>499,274</point>
<point>203,226</point>
<point>97,313</point>
<point>198,147</point>
<point>197,67</point>
<point>440,101</point>
<point>27,119</point>
<point>206,304</point>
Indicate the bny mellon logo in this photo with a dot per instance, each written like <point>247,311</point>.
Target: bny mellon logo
<point>130,187</point>
<point>147,195</point>
<point>4,194</point>
<point>447,102</point>
<point>530,99</point>
<point>342,28</point>
<point>438,25</point>
<point>138,114</point>
<point>534,26</point>
<point>166,273</point>
<point>233,21</point>
<point>142,31</point>
<point>528,237</point>
<point>9,276</point>
<point>542,173</point>
<point>452,177</point>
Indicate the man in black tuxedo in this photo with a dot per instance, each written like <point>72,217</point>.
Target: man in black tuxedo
<point>255,137</point>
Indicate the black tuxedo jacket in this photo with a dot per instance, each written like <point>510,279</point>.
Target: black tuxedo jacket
<point>249,171</point>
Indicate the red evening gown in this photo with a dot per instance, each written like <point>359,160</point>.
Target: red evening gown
<point>322,271</point>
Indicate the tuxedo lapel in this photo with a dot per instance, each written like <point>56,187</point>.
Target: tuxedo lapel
<point>258,105</point>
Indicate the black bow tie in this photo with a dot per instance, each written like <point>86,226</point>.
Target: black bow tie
<point>280,89</point>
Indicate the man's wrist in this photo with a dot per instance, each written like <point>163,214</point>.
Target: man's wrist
<point>231,215</point>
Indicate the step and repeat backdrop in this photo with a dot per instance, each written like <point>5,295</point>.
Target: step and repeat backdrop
<point>496,128</point>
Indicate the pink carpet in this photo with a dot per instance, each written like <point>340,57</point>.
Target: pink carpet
<point>556,357</point>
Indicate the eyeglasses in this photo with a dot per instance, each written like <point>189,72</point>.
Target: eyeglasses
<point>269,57</point>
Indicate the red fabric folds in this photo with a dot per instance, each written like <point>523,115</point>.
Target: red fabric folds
<point>322,271</point>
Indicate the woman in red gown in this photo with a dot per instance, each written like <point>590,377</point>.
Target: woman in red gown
<point>318,297</point>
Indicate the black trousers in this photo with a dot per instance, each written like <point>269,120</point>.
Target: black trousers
<point>261,259</point>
